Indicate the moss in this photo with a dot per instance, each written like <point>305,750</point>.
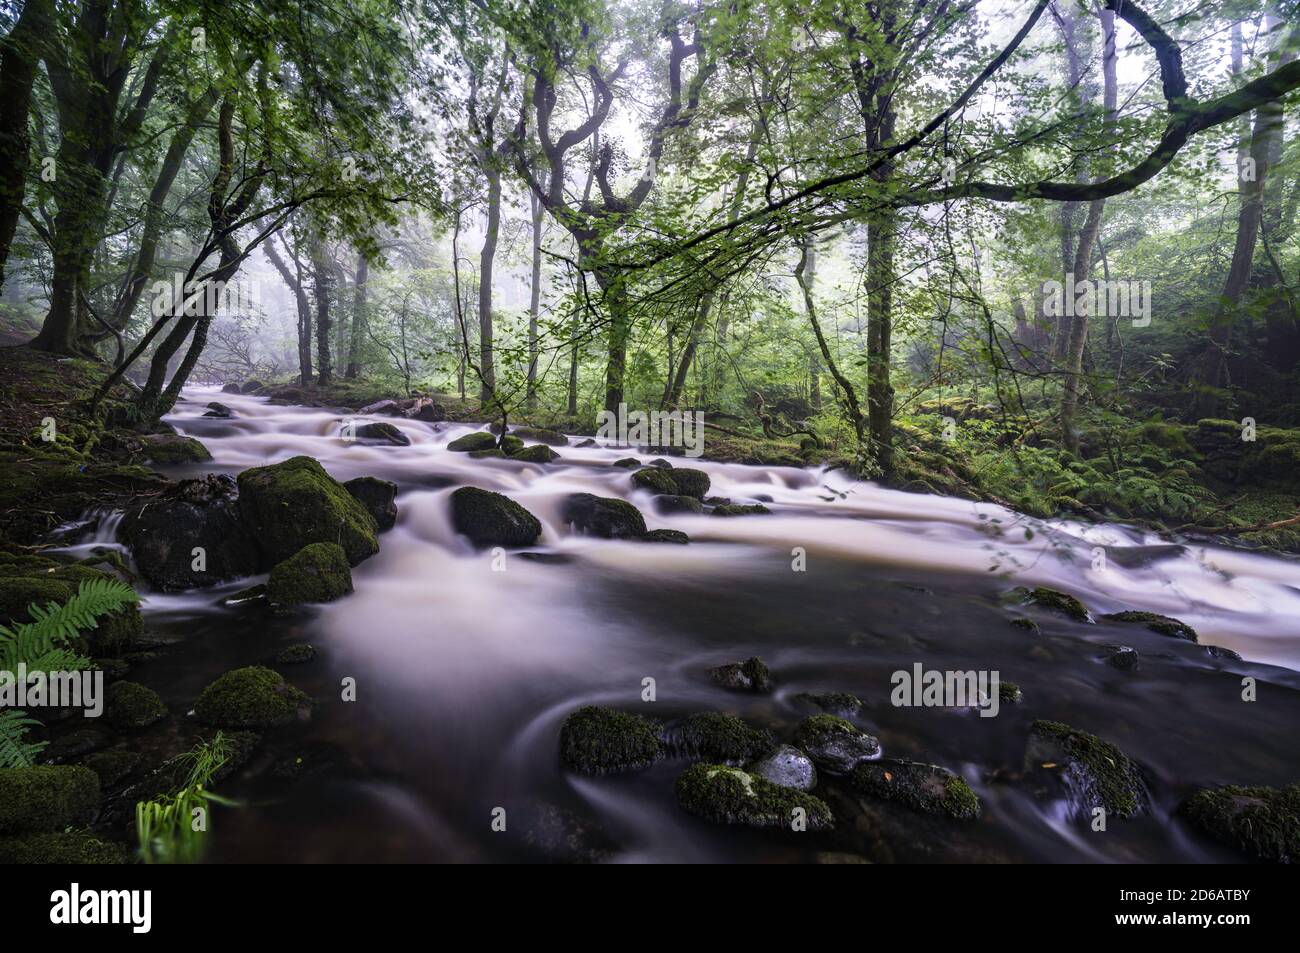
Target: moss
<point>836,703</point>
<point>492,453</point>
<point>595,740</point>
<point>1095,771</point>
<point>541,436</point>
<point>173,449</point>
<point>627,463</point>
<point>113,765</point>
<point>718,737</point>
<point>927,788</point>
<point>1054,600</point>
<point>291,504</point>
<point>492,519</point>
<point>47,798</point>
<point>656,480</point>
<point>64,847</point>
<point>296,654</point>
<point>740,509</point>
<point>835,744</point>
<point>478,440</point>
<point>132,705</point>
<point>1162,624</point>
<point>751,675</point>
<point>1010,692</point>
<point>690,482</point>
<point>664,536</point>
<point>252,697</point>
<point>16,594</point>
<point>538,453</point>
<point>727,795</point>
<point>1262,822</point>
<point>606,517</point>
<point>511,445</point>
<point>316,573</point>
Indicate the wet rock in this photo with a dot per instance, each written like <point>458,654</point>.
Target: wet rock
<point>596,740</point>
<point>318,572</point>
<point>718,737</point>
<point>655,480</point>
<point>426,410</point>
<point>255,593</point>
<point>606,517</point>
<point>18,593</point>
<point>751,675</point>
<point>171,448</point>
<point>75,744</point>
<point>562,836</point>
<point>63,847</point>
<point>1009,693</point>
<point>927,788</point>
<point>382,432</point>
<point>113,668</point>
<point>292,504</point>
<point>47,798</point>
<point>252,697</point>
<point>549,559</point>
<point>113,766</point>
<point>231,388</point>
<point>727,795</point>
<point>163,533</point>
<point>660,462</point>
<point>540,435</point>
<point>668,504</point>
<point>1218,651</point>
<point>1161,624</point>
<point>1094,773</point>
<point>585,442</point>
<point>389,407</point>
<point>478,440</point>
<point>1029,625</point>
<point>1261,822</point>
<point>834,744</point>
<point>664,536</point>
<point>835,703</point>
<point>296,654</point>
<point>1054,600</point>
<point>627,463</point>
<point>132,705</point>
<point>690,482</point>
<point>787,767</point>
<point>219,410</point>
<point>740,509</point>
<point>537,453</point>
<point>1123,657</point>
<point>716,501</point>
<point>491,519</point>
<point>1139,557</point>
<point>493,453</point>
<point>251,386</point>
<point>378,497</point>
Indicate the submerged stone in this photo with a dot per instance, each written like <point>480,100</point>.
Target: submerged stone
<point>1094,773</point>
<point>741,509</point>
<point>1054,600</point>
<point>927,788</point>
<point>834,744</point>
<point>787,767</point>
<point>596,740</point>
<point>718,737</point>
<point>1162,624</point>
<point>836,703</point>
<point>727,795</point>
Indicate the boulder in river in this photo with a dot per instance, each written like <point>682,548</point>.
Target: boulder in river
<point>537,453</point>
<point>1161,624</point>
<point>171,448</point>
<point>837,746</point>
<point>787,767</point>
<point>1053,600</point>
<point>382,432</point>
<point>132,705</point>
<point>1122,657</point>
<point>1261,822</point>
<point>690,482</point>
<point>491,519</point>
<point>318,572</point>
<point>927,788</point>
<point>751,675</point>
<point>252,697</point>
<point>478,440</point>
<point>664,536</point>
<point>541,435</point>
<point>606,517</point>
<point>1093,773</point>
<point>836,703</point>
<point>717,736</point>
<point>727,795</point>
<point>597,740</point>
<point>288,505</point>
<point>163,534</point>
<point>231,388</point>
<point>378,497</point>
<point>217,409</point>
<point>741,509</point>
<point>668,503</point>
<point>47,798</point>
<point>655,480</point>
<point>426,410</point>
<point>627,463</point>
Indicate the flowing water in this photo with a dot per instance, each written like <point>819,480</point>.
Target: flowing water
<point>465,666</point>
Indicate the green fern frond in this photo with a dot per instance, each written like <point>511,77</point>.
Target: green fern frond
<point>14,751</point>
<point>38,643</point>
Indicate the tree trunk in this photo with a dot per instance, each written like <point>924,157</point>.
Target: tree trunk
<point>486,261</point>
<point>534,300</point>
<point>358,317</point>
<point>322,274</point>
<point>19,60</point>
<point>303,307</point>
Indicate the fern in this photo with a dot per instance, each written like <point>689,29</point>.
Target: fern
<point>165,826</point>
<point>14,751</point>
<point>39,644</point>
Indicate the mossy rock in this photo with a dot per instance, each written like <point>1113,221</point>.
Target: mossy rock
<point>132,705</point>
<point>836,745</point>
<point>549,437</point>
<point>382,432</point>
<point>751,675</point>
<point>291,504</point>
<point>112,765</point>
<point>717,737</point>
<point>1094,773</point>
<point>42,581</point>
<point>927,788</point>
<point>511,445</point>
<point>664,536</point>
<point>252,697</point>
<point>655,480</point>
<point>170,448</point>
<point>537,453</point>
<point>17,594</point>
<point>668,504</point>
<point>728,795</point>
<point>316,573</point>
<point>741,509</point>
<point>690,482</point>
<point>378,497</point>
<point>1161,624</point>
<point>842,704</point>
<point>1262,822</point>
<point>47,798</point>
<point>478,440</point>
<point>296,654</point>
<point>1053,600</point>
<point>627,463</point>
<point>596,740</point>
<point>605,517</point>
<point>492,519</point>
<point>62,847</point>
<point>495,453</point>
<point>1010,693</point>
